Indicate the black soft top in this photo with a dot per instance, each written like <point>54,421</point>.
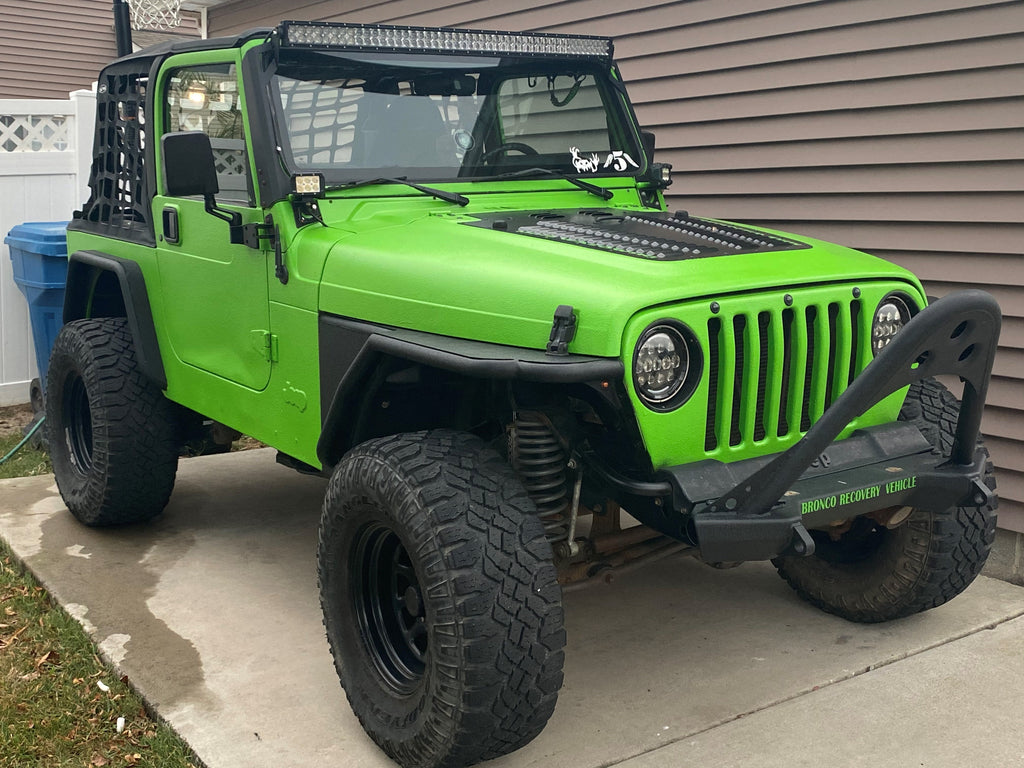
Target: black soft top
<point>190,46</point>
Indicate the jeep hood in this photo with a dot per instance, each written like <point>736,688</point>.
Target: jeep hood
<point>499,276</point>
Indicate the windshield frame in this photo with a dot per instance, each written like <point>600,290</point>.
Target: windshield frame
<point>620,119</point>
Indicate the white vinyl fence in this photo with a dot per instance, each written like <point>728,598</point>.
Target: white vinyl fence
<point>45,153</point>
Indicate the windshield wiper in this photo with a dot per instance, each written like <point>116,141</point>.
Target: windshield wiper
<point>440,194</point>
<point>604,194</point>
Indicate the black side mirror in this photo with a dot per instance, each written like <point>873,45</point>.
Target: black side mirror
<point>189,168</point>
<point>659,175</point>
<point>647,139</point>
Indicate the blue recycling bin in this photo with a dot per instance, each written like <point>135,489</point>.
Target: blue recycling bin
<point>39,253</point>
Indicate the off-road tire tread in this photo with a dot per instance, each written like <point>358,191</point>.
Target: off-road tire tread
<point>499,629</point>
<point>939,555</point>
<point>135,450</point>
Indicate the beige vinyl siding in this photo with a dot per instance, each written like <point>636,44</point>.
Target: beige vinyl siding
<point>892,126</point>
<point>52,47</point>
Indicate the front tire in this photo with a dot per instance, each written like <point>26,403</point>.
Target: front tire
<point>440,600</point>
<point>873,573</point>
<point>111,430</point>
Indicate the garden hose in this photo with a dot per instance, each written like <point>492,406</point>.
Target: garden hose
<point>24,440</point>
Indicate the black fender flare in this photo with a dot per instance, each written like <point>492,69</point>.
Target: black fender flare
<point>351,351</point>
<point>84,269</point>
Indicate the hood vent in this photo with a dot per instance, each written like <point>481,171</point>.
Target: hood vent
<point>653,236</point>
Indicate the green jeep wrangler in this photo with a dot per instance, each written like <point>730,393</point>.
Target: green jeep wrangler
<point>436,266</point>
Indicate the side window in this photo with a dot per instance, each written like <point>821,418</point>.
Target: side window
<point>206,98</point>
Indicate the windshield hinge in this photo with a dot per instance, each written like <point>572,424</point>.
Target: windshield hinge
<point>563,329</point>
<point>254,235</point>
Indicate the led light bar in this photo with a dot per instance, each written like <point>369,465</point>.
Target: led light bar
<point>367,37</point>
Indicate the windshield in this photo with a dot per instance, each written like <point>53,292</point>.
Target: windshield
<point>352,116</point>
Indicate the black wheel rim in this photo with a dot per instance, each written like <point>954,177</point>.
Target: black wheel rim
<point>389,607</point>
<point>77,424</point>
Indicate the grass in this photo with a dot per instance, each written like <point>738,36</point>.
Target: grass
<point>14,420</point>
<point>54,713</point>
<point>26,462</point>
<point>53,709</point>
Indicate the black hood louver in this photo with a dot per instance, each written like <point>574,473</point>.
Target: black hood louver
<point>655,236</point>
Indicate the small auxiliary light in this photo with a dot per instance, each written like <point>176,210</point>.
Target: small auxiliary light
<point>659,175</point>
<point>308,184</point>
<point>367,37</point>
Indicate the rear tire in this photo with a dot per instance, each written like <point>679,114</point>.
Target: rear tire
<point>876,574</point>
<point>440,600</point>
<point>112,433</point>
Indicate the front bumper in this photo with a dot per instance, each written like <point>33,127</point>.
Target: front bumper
<point>762,508</point>
<point>888,466</point>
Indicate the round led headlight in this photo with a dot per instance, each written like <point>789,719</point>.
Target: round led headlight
<point>892,314</point>
<point>663,365</point>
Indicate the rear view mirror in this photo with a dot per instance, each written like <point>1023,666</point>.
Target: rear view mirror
<point>444,85</point>
<point>188,164</point>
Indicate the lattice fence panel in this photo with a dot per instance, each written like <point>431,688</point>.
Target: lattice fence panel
<point>230,160</point>
<point>34,133</point>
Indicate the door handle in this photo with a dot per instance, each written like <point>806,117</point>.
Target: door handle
<point>170,222</point>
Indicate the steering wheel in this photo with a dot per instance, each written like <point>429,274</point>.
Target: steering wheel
<point>508,146</point>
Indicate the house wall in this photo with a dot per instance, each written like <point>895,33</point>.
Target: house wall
<point>893,127</point>
<point>52,47</point>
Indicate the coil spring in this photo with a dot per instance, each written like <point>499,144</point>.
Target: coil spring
<point>538,458</point>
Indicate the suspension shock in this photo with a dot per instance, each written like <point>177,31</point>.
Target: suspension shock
<point>539,459</point>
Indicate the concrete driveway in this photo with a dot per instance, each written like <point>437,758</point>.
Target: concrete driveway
<point>212,613</point>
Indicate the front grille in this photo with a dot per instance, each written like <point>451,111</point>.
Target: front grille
<point>776,370</point>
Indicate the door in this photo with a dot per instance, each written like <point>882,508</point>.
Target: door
<point>214,295</point>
